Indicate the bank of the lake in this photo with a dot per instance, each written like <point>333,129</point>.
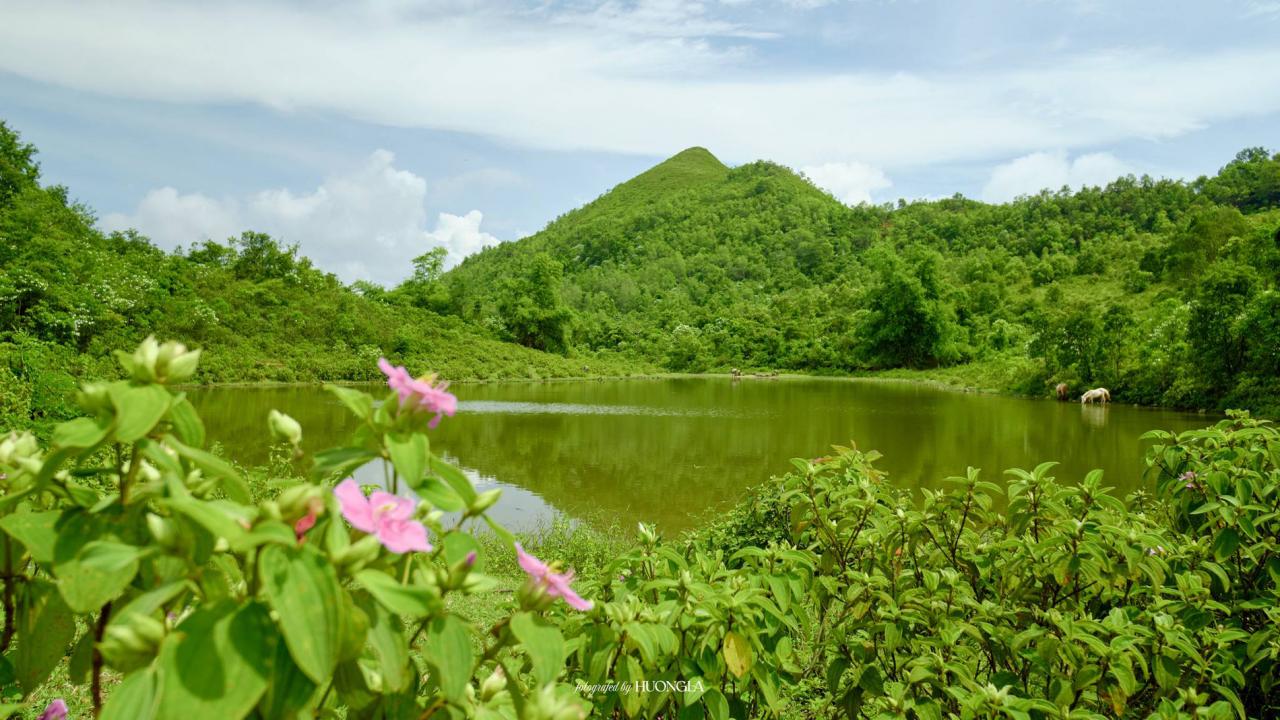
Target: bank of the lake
<point>675,450</point>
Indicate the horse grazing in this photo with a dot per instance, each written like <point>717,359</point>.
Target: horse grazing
<point>1062,391</point>
<point>1098,395</point>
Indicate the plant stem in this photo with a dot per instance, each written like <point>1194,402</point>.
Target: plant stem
<point>10,615</point>
<point>103,617</point>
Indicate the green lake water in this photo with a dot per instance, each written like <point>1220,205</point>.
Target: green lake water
<point>675,451</point>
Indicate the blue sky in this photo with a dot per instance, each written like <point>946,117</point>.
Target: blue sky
<point>368,132</point>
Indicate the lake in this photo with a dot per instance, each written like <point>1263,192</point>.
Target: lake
<point>674,451</point>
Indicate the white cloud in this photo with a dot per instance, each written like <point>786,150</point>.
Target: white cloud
<point>1038,171</point>
<point>366,224</point>
<point>620,80</point>
<point>851,182</point>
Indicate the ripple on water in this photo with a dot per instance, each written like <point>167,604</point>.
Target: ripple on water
<point>499,407</point>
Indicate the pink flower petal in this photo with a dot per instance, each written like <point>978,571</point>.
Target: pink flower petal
<point>532,566</point>
<point>355,507</point>
<point>556,584</point>
<point>574,600</point>
<point>56,710</point>
<point>305,523</point>
<point>394,507</point>
<point>401,536</point>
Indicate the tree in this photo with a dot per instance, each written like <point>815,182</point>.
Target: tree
<point>1213,329</point>
<point>1251,181</point>
<point>904,326</point>
<point>533,312</point>
<point>18,168</point>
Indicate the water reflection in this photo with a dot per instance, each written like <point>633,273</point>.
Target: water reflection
<point>672,451</point>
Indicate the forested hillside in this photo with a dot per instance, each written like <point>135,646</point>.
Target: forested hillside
<point>1163,291</point>
<point>70,294</point>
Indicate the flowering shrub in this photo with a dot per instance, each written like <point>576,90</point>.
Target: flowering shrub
<point>832,594</point>
<point>213,605</point>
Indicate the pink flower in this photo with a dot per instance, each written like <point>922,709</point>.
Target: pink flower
<point>56,710</point>
<point>385,515</point>
<point>305,523</point>
<point>556,584</point>
<point>421,393</point>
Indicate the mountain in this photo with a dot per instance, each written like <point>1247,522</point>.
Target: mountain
<point>70,294</point>
<point>1164,291</point>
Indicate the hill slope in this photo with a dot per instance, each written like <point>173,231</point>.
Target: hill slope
<point>1162,290</point>
<point>69,295</point>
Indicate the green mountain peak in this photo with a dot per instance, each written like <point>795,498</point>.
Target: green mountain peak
<point>686,169</point>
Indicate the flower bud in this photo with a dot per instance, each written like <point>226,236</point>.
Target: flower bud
<point>284,427</point>
<point>647,533</point>
<point>271,510</point>
<point>144,360</point>
<point>494,684</point>
<point>299,500</point>
<point>93,398</point>
<point>132,641</point>
<point>162,529</point>
<point>16,447</point>
<point>484,501</point>
<point>360,553</point>
<point>175,363</point>
<point>153,362</point>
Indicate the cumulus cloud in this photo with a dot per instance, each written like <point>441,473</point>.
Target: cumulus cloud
<point>851,182</point>
<point>365,224</point>
<point>610,81</point>
<point>1038,171</point>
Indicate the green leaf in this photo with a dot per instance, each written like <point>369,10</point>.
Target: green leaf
<point>151,601</point>
<point>409,600</point>
<point>289,692</point>
<point>215,467</point>
<point>46,628</point>
<point>440,495</point>
<point>137,698</point>
<point>360,403</point>
<point>543,642</point>
<point>340,462</point>
<point>1225,544</point>
<point>219,518</point>
<point>389,647</point>
<point>35,530</point>
<point>408,451</point>
<point>82,432</point>
<point>737,653</point>
<point>644,640</point>
<point>81,661</point>
<point>454,477</point>
<point>1122,670</point>
<point>97,572</point>
<point>303,589</point>
<point>138,409</point>
<point>505,535</point>
<point>215,665</point>
<point>186,422</point>
<point>457,545</point>
<point>1167,672</point>
<point>448,650</point>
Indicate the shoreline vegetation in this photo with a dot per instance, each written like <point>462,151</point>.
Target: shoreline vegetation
<point>1164,292</point>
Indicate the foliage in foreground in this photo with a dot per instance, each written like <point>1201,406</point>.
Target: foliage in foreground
<point>1031,600</point>
<point>135,552</point>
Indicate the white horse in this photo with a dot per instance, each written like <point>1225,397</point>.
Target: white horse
<point>1098,395</point>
